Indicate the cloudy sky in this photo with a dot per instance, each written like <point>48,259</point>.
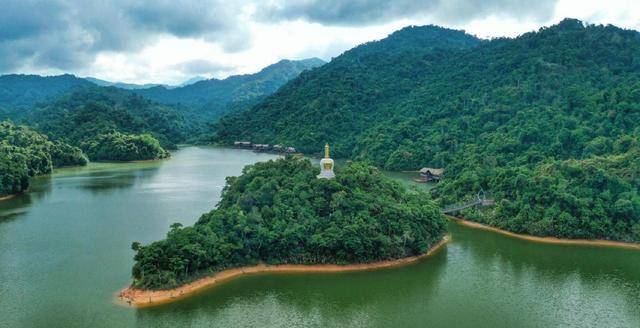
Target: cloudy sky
<point>170,41</point>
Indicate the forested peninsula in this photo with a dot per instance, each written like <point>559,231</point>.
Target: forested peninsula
<point>546,123</point>
<point>110,124</point>
<point>25,153</point>
<point>278,212</point>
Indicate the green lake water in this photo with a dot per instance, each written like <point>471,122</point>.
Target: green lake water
<point>65,252</point>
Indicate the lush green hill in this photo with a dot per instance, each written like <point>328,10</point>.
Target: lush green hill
<point>25,153</point>
<point>497,115</point>
<point>84,114</point>
<point>210,99</point>
<point>99,119</point>
<point>279,212</point>
<point>19,91</point>
<point>346,97</point>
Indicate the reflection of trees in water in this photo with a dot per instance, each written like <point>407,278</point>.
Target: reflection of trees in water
<point>39,188</point>
<point>378,298</point>
<point>551,266</point>
<point>108,180</point>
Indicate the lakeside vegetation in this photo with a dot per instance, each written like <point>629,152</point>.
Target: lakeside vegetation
<point>546,122</point>
<point>25,153</point>
<point>116,146</point>
<point>278,212</point>
<point>111,124</point>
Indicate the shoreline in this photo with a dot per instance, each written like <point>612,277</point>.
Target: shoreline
<point>547,240</point>
<point>7,197</point>
<point>144,298</point>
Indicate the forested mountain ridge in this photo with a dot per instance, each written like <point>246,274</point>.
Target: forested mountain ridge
<point>111,124</point>
<point>18,91</point>
<point>209,99</point>
<point>341,99</point>
<point>88,112</point>
<point>546,113</point>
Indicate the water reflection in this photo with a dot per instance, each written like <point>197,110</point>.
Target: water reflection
<point>105,181</point>
<point>567,277</point>
<point>355,299</point>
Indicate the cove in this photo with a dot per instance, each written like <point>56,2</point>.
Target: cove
<point>65,251</point>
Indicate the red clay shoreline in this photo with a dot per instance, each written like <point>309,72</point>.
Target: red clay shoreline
<point>7,197</point>
<point>144,298</point>
<point>548,240</point>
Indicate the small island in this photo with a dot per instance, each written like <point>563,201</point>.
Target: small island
<point>282,215</point>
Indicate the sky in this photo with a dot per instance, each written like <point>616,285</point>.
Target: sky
<point>171,41</point>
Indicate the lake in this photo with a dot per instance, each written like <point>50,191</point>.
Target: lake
<point>65,252</point>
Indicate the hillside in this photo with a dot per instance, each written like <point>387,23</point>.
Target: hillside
<point>121,85</point>
<point>279,212</point>
<point>497,115</point>
<point>111,124</point>
<point>344,98</point>
<point>18,91</point>
<point>86,113</point>
<point>209,99</point>
<point>25,153</point>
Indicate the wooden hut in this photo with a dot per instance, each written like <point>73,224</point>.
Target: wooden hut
<point>428,174</point>
<point>243,144</point>
<point>261,147</point>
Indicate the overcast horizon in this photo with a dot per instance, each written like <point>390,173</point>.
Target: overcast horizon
<point>170,42</point>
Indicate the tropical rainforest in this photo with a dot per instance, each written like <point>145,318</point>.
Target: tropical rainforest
<point>546,123</point>
<point>25,153</point>
<point>209,100</point>
<point>279,212</point>
<point>88,112</point>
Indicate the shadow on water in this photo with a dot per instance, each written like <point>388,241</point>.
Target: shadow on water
<point>39,188</point>
<point>105,181</point>
<point>368,298</point>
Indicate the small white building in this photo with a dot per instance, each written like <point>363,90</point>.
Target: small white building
<point>326,165</point>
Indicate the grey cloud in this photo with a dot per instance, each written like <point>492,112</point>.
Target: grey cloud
<point>365,12</point>
<point>67,34</point>
<point>202,67</point>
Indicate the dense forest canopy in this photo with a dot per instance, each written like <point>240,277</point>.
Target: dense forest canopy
<point>279,212</point>
<point>20,92</point>
<point>25,153</point>
<point>101,119</point>
<point>542,114</point>
<point>87,113</point>
<point>116,146</point>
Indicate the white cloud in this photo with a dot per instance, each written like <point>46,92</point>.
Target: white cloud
<point>237,39</point>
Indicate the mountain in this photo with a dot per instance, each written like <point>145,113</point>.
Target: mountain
<point>546,123</point>
<point>351,94</point>
<point>121,85</point>
<point>19,91</point>
<point>191,81</point>
<point>212,98</point>
<point>84,115</point>
<point>25,153</point>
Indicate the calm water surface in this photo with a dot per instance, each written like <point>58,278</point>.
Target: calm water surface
<point>65,251</point>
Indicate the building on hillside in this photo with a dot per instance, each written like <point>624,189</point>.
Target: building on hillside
<point>326,165</point>
<point>245,144</point>
<point>261,147</point>
<point>428,174</point>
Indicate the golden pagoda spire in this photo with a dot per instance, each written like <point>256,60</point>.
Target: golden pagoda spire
<point>326,150</point>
